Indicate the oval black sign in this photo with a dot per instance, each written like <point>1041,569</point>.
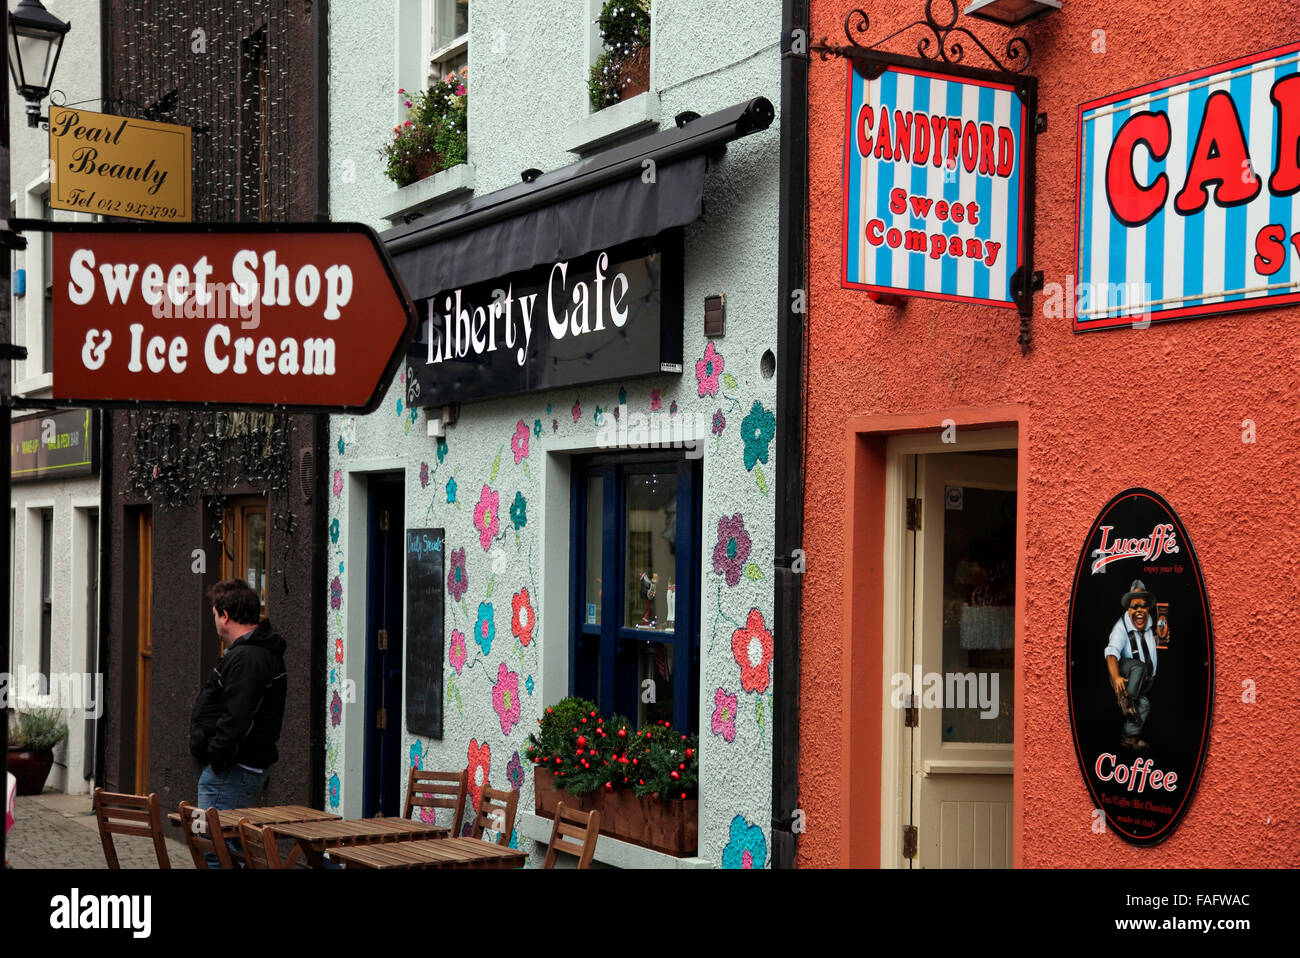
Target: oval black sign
<point>1141,666</point>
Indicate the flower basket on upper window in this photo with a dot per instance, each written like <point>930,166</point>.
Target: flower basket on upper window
<point>623,70</point>
<point>433,137</point>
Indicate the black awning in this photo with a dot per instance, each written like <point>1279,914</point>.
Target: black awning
<point>604,200</point>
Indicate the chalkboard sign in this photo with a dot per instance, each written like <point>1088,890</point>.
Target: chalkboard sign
<point>424,638</point>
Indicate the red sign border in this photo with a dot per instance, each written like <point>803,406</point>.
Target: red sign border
<point>395,361</point>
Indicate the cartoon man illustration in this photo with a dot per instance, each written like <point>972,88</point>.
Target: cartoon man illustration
<point>1131,661</point>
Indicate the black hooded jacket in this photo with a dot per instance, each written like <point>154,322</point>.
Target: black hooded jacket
<point>236,718</point>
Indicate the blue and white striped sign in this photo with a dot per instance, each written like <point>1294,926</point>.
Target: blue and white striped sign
<point>933,186</point>
<point>1189,195</point>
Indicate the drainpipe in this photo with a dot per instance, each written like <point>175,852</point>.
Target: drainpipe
<point>320,438</point>
<point>792,293</point>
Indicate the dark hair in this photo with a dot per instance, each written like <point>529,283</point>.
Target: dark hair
<point>233,596</point>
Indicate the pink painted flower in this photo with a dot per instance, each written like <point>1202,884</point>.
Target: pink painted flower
<point>522,619</point>
<point>656,400</point>
<point>486,518</point>
<point>479,764</point>
<point>577,410</point>
<point>708,370</point>
<point>505,698</point>
<point>733,548</point>
<point>752,647</point>
<point>457,576</point>
<point>519,444</point>
<point>338,482</point>
<point>457,655</point>
<point>724,714</point>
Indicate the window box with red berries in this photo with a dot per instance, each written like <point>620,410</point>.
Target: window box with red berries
<point>643,782</point>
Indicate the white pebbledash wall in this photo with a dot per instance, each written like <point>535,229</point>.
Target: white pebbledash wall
<point>77,78</point>
<point>528,66</point>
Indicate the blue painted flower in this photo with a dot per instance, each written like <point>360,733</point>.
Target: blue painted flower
<point>399,407</point>
<point>529,684</point>
<point>451,491</point>
<point>341,446</point>
<point>598,416</point>
<point>417,754</point>
<point>537,427</point>
<point>747,847</point>
<point>757,429</point>
<point>622,395</point>
<point>442,449</point>
<point>334,531</point>
<point>485,629</point>
<point>334,791</point>
<point>519,511</point>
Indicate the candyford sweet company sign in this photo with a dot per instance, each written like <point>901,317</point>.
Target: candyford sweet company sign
<point>935,183</point>
<point>1189,195</point>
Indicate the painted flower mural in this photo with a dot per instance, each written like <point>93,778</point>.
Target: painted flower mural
<point>457,576</point>
<point>709,370</point>
<point>747,847</point>
<point>336,709</point>
<point>519,511</point>
<point>451,490</point>
<point>724,715</point>
<point>757,429</point>
<point>334,531</point>
<point>656,400</point>
<point>522,619</point>
<point>732,549</point>
<point>515,772</point>
<point>479,764</point>
<point>505,698</point>
<point>442,449</point>
<point>338,482</point>
<point>485,628</point>
<point>338,650</point>
<point>719,423</point>
<point>424,474</point>
<point>519,442</point>
<point>752,647</point>
<point>486,518</point>
<point>577,410</point>
<point>457,653</point>
<point>336,594</point>
<point>417,754</point>
<point>537,428</point>
<point>334,791</point>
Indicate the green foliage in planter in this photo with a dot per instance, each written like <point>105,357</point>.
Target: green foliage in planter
<point>625,31</point>
<point>610,754</point>
<point>434,136</point>
<point>38,729</point>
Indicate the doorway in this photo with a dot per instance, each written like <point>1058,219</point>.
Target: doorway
<point>385,525</point>
<point>955,646</point>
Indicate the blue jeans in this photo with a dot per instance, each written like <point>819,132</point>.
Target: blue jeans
<point>234,788</point>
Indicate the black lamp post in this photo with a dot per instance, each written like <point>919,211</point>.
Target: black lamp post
<point>35,40</point>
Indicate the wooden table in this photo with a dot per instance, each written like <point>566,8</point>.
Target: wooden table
<point>316,838</point>
<point>266,815</point>
<point>443,853</point>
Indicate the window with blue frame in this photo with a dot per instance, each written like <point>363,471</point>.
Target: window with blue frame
<point>635,564</point>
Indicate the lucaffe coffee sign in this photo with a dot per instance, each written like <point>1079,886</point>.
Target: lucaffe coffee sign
<point>610,314</point>
<point>119,166</point>
<point>1141,666</point>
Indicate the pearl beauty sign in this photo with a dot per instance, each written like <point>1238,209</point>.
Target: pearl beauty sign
<point>309,316</point>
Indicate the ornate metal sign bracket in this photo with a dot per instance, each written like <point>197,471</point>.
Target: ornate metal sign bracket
<point>942,41</point>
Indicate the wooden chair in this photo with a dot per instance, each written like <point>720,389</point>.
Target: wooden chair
<point>203,836</point>
<point>260,850</point>
<point>582,827</point>
<point>496,813</point>
<point>437,790</point>
<point>120,814</point>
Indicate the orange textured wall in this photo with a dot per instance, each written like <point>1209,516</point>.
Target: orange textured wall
<point>1160,407</point>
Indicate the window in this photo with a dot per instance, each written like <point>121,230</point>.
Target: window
<point>47,280</point>
<point>47,599</point>
<point>448,36</point>
<point>635,648</point>
<point>244,544</point>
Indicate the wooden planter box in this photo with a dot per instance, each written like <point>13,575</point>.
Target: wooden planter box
<point>671,827</point>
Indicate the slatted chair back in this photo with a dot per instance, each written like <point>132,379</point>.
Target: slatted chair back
<point>117,813</point>
<point>203,836</point>
<point>496,813</point>
<point>427,789</point>
<point>260,850</point>
<point>574,832</point>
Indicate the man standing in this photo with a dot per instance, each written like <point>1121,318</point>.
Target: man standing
<point>1131,661</point>
<point>236,718</point>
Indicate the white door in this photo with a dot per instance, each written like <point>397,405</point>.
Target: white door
<point>962,650</point>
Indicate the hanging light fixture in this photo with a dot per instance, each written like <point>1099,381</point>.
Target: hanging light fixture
<point>35,41</point>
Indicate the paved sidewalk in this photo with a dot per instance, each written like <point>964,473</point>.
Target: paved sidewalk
<point>54,830</point>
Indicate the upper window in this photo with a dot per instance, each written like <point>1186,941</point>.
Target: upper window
<point>635,647</point>
<point>244,544</point>
<point>448,37</point>
<point>619,51</point>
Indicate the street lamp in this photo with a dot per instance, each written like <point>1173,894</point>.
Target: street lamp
<point>35,39</point>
